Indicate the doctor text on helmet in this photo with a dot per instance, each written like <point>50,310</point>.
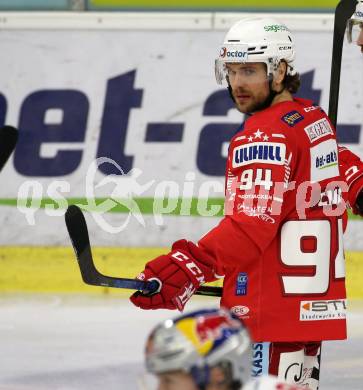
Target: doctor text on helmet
<point>233,53</point>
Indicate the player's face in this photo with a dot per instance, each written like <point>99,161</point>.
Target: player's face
<point>355,33</point>
<point>249,85</point>
<point>176,380</point>
<point>217,380</point>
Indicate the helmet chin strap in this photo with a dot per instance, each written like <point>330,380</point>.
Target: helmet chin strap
<point>267,102</point>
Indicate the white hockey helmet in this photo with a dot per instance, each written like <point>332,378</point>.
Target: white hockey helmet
<point>198,341</point>
<point>256,40</point>
<point>355,23</point>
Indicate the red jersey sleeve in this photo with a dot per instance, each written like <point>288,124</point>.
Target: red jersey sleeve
<point>351,168</point>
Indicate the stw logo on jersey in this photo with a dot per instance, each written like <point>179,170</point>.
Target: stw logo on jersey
<point>306,306</point>
<point>334,309</point>
<point>259,152</point>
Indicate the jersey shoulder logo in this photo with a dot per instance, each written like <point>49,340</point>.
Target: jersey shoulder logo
<point>318,129</point>
<point>324,161</point>
<point>292,118</point>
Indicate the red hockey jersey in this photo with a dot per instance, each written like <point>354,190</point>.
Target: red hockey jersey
<point>281,243</point>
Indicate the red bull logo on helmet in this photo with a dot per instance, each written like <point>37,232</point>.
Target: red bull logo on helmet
<point>203,331</point>
<point>211,327</point>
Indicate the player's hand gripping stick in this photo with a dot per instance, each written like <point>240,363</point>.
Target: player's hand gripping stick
<point>179,275</point>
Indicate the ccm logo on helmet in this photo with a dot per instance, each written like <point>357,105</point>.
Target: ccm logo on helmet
<point>233,53</point>
<point>285,47</point>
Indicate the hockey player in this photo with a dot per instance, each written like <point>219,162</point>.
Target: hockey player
<point>355,26</point>
<point>351,165</point>
<point>280,246</point>
<point>204,350</point>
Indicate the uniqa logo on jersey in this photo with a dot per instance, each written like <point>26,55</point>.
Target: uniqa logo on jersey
<point>258,152</point>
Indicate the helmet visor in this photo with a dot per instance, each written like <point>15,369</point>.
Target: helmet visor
<point>354,29</point>
<point>229,54</point>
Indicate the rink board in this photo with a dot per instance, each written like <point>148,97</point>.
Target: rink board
<point>141,92</point>
<point>54,270</point>
<point>216,4</point>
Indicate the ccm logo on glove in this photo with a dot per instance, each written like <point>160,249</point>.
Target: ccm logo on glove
<point>179,273</point>
<point>191,266</point>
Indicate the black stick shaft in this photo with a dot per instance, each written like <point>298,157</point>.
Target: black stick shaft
<point>78,233</point>
<point>343,12</point>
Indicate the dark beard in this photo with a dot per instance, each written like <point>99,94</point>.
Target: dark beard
<point>259,106</point>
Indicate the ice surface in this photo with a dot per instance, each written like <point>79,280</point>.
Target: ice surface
<point>93,343</point>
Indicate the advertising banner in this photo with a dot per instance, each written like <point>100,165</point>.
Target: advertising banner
<point>133,120</point>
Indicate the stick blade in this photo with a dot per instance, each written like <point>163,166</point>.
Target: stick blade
<point>78,233</point>
<point>77,227</point>
<point>8,140</point>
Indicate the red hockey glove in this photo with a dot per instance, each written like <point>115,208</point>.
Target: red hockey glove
<point>179,273</point>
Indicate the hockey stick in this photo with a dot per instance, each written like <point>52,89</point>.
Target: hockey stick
<point>8,139</point>
<point>78,233</point>
<point>343,12</point>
